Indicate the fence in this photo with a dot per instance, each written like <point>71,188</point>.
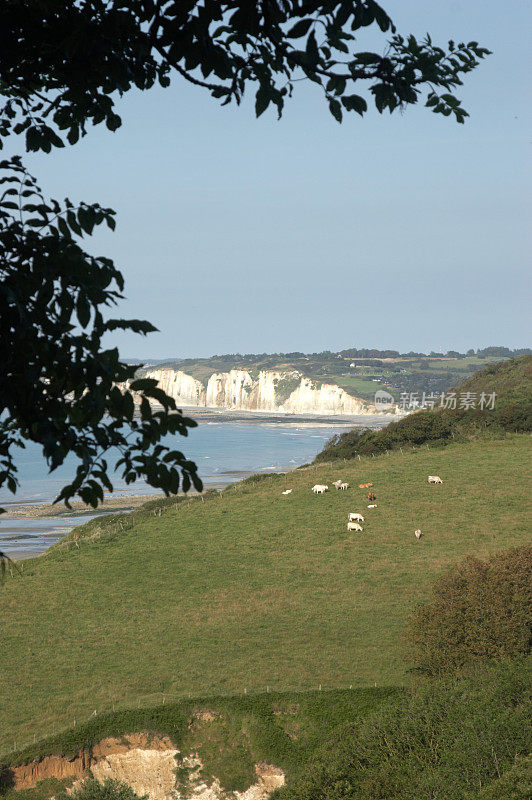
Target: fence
<point>158,699</point>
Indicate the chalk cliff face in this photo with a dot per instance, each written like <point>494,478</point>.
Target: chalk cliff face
<point>285,392</point>
<point>323,399</point>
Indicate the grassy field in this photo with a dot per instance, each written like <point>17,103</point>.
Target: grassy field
<point>252,588</point>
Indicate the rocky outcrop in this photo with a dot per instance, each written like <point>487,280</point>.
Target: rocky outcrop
<point>148,764</point>
<point>279,391</point>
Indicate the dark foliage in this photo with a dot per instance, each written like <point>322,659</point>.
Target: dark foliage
<point>60,63</point>
<point>445,742</point>
<point>58,386</point>
<point>477,610</point>
<point>514,784</point>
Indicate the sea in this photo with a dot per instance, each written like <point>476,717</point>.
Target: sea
<point>227,446</point>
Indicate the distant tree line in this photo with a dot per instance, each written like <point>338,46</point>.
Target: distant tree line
<point>486,352</point>
<point>353,352</point>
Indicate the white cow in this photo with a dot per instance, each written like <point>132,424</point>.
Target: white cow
<point>287,491</point>
<point>435,479</point>
<point>355,517</point>
<point>418,534</point>
<point>343,486</point>
<point>337,484</point>
<point>354,526</point>
<point>372,505</point>
<point>319,488</point>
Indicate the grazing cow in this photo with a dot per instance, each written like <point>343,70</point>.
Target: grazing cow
<point>435,479</point>
<point>288,491</point>
<point>418,534</point>
<point>319,488</point>
<point>343,486</point>
<point>354,526</point>
<point>337,484</point>
<point>356,517</point>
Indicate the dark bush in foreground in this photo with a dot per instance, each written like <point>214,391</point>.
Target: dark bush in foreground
<point>416,429</point>
<point>477,610</point>
<point>445,742</point>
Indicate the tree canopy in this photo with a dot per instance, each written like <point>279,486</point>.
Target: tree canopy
<point>60,64</point>
<point>62,68</point>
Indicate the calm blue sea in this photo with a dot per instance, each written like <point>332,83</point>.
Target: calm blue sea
<point>225,451</point>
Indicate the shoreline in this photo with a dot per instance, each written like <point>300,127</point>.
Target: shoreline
<point>310,419</point>
<point>32,524</point>
<point>58,521</point>
<point>112,504</point>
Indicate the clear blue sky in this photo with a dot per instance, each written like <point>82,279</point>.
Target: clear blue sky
<point>405,231</point>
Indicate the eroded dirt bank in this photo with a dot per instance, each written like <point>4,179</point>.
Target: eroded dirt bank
<point>150,764</point>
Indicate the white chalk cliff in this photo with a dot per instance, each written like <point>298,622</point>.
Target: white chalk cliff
<point>280,391</point>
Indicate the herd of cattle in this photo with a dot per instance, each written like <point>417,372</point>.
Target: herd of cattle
<point>354,519</point>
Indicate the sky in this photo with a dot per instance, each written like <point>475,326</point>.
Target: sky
<point>406,231</point>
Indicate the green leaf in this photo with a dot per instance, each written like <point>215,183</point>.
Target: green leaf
<point>63,227</point>
<point>336,109</point>
<point>312,48</point>
<point>83,310</point>
<point>356,103</point>
<point>128,405</point>
<point>299,29</point>
<point>73,134</point>
<point>113,121</point>
<point>262,100</point>
<point>86,219</point>
<point>383,20</point>
<point>72,222</point>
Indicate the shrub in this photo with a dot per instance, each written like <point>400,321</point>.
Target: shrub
<point>477,610</point>
<point>415,429</point>
<point>444,742</point>
<point>109,790</point>
<point>515,784</point>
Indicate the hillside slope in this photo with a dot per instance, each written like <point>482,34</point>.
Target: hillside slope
<point>511,380</point>
<point>500,398</point>
<point>250,588</point>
